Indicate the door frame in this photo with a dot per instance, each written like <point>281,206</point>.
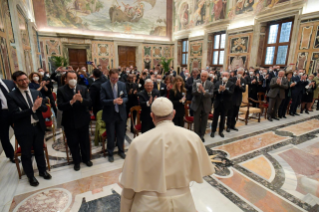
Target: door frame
<point>138,53</point>
<point>87,47</point>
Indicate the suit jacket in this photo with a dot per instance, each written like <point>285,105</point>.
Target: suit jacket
<point>223,98</point>
<point>107,97</point>
<point>272,75</point>
<point>163,90</point>
<point>11,86</point>
<point>146,110</point>
<point>276,89</point>
<point>77,115</point>
<point>189,87</point>
<point>200,98</point>
<point>299,87</point>
<point>178,106</point>
<point>132,98</point>
<point>253,87</point>
<point>21,113</point>
<point>237,96</point>
<point>95,95</point>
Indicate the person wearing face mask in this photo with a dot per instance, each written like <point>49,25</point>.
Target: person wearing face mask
<point>124,74</point>
<point>83,79</point>
<point>95,91</point>
<point>276,94</point>
<point>48,92</point>
<point>223,91</point>
<point>58,74</point>
<point>36,83</point>
<point>264,81</point>
<point>297,91</point>
<point>27,106</point>
<point>203,91</point>
<point>74,100</point>
<point>182,74</point>
<point>132,90</point>
<point>273,72</point>
<point>236,99</point>
<point>160,86</point>
<point>285,102</point>
<point>307,96</point>
<point>252,82</point>
<point>178,97</point>
<point>172,71</point>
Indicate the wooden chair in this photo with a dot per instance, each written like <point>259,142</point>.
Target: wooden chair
<point>17,153</point>
<point>188,119</point>
<point>138,126</point>
<point>246,107</point>
<point>263,103</point>
<point>48,117</point>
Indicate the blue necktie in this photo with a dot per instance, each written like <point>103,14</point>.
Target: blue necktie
<point>115,96</point>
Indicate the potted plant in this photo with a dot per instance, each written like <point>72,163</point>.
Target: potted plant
<point>165,63</point>
<point>59,61</point>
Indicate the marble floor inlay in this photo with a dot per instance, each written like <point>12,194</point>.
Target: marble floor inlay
<point>302,128</point>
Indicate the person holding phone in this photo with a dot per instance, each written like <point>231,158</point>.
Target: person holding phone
<point>113,98</point>
<point>178,97</point>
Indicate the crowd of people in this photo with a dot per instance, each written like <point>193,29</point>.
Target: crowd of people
<point>80,95</point>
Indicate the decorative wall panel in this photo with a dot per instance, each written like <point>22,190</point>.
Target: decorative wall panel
<point>236,62</point>
<point>195,54</point>
<point>5,58</point>
<point>302,60</point>
<point>316,40</point>
<point>306,37</point>
<point>239,45</point>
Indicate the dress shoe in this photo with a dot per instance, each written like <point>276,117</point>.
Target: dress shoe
<point>269,119</point>
<point>13,160</point>
<point>221,135</point>
<point>307,112</point>
<point>77,167</point>
<point>45,175</point>
<point>291,114</point>
<point>33,181</point>
<point>227,129</point>
<point>275,118</point>
<point>212,134</point>
<point>111,159</point>
<point>296,114</point>
<point>234,128</point>
<point>279,117</point>
<point>317,109</point>
<point>301,112</point>
<point>203,140</point>
<point>89,163</point>
<point>284,117</point>
<point>122,155</point>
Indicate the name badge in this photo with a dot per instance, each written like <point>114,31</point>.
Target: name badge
<point>227,88</point>
<point>162,88</point>
<point>139,85</point>
<point>243,84</point>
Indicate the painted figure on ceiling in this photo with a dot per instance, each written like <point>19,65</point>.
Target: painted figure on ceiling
<point>219,9</point>
<point>184,16</point>
<point>199,14</point>
<point>243,6</point>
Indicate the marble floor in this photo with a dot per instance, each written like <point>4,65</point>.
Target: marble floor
<point>266,166</point>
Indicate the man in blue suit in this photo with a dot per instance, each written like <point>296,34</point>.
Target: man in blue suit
<point>6,86</point>
<point>113,100</point>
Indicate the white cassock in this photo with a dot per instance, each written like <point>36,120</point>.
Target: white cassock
<point>159,166</point>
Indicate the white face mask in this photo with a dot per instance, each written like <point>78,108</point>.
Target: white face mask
<point>172,74</point>
<point>300,74</point>
<point>225,79</point>
<point>41,73</point>
<point>295,73</point>
<point>63,72</point>
<point>158,80</point>
<point>127,72</point>
<point>48,75</point>
<point>83,69</point>
<point>210,75</point>
<point>36,79</point>
<point>186,74</point>
<point>264,74</point>
<point>155,72</point>
<point>72,82</point>
<point>270,70</point>
<point>251,73</point>
<point>238,76</point>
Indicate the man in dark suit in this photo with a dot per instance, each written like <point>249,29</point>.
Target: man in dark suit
<point>26,107</point>
<point>189,84</point>
<point>297,91</point>
<point>273,72</point>
<point>132,90</point>
<point>236,99</point>
<point>160,86</point>
<point>57,76</point>
<point>252,82</point>
<point>74,100</point>
<point>146,98</point>
<point>113,99</point>
<point>223,91</point>
<point>6,86</point>
<point>276,94</point>
<point>95,90</point>
<point>203,91</point>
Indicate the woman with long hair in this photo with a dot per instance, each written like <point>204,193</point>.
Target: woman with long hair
<point>178,96</point>
<point>169,84</point>
<point>307,97</point>
<point>36,83</point>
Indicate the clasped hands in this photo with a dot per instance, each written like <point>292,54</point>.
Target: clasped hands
<point>118,101</point>
<point>37,103</point>
<point>238,83</point>
<point>201,88</point>
<point>150,101</point>
<point>278,81</point>
<point>76,97</point>
<point>222,88</point>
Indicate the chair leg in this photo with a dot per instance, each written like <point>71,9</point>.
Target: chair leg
<point>259,117</point>
<point>18,166</point>
<point>47,157</point>
<point>103,145</point>
<point>246,117</point>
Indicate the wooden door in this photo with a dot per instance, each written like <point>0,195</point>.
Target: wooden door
<point>77,58</point>
<point>127,56</point>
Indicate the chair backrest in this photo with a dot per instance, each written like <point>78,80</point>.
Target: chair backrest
<point>186,107</point>
<point>54,96</point>
<point>245,99</point>
<point>261,97</point>
<point>48,113</point>
<point>138,110</point>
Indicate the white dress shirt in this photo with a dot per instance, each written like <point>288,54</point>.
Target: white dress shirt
<point>4,102</point>
<point>25,97</point>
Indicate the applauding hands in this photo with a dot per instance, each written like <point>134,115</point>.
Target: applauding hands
<point>76,97</point>
<point>37,103</point>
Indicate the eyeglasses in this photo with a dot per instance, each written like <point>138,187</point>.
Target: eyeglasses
<point>21,80</point>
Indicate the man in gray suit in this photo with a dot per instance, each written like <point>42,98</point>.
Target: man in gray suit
<point>203,91</point>
<point>276,94</point>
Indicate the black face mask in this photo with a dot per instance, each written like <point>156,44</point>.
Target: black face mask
<point>275,70</point>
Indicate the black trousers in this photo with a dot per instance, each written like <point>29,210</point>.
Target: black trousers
<point>115,128</point>
<point>179,121</point>
<point>221,111</point>
<point>35,139</point>
<point>147,124</point>
<point>78,139</point>
<point>52,102</point>
<point>296,100</point>
<point>283,107</point>
<point>273,107</point>
<point>132,116</point>
<point>5,123</point>
<point>200,121</point>
<point>231,117</point>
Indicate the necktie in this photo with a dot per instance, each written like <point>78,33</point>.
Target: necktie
<point>30,105</point>
<point>115,96</point>
<point>264,83</point>
<point>5,93</point>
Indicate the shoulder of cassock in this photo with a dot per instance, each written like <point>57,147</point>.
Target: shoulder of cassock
<point>165,157</point>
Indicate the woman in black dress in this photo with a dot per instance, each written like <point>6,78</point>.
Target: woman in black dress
<point>307,96</point>
<point>178,96</point>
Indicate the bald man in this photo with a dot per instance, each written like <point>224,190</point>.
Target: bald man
<point>276,94</point>
<point>203,91</point>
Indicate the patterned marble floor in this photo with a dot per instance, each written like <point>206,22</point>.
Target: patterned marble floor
<point>267,166</point>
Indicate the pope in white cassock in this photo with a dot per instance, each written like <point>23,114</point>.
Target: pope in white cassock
<point>161,163</point>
